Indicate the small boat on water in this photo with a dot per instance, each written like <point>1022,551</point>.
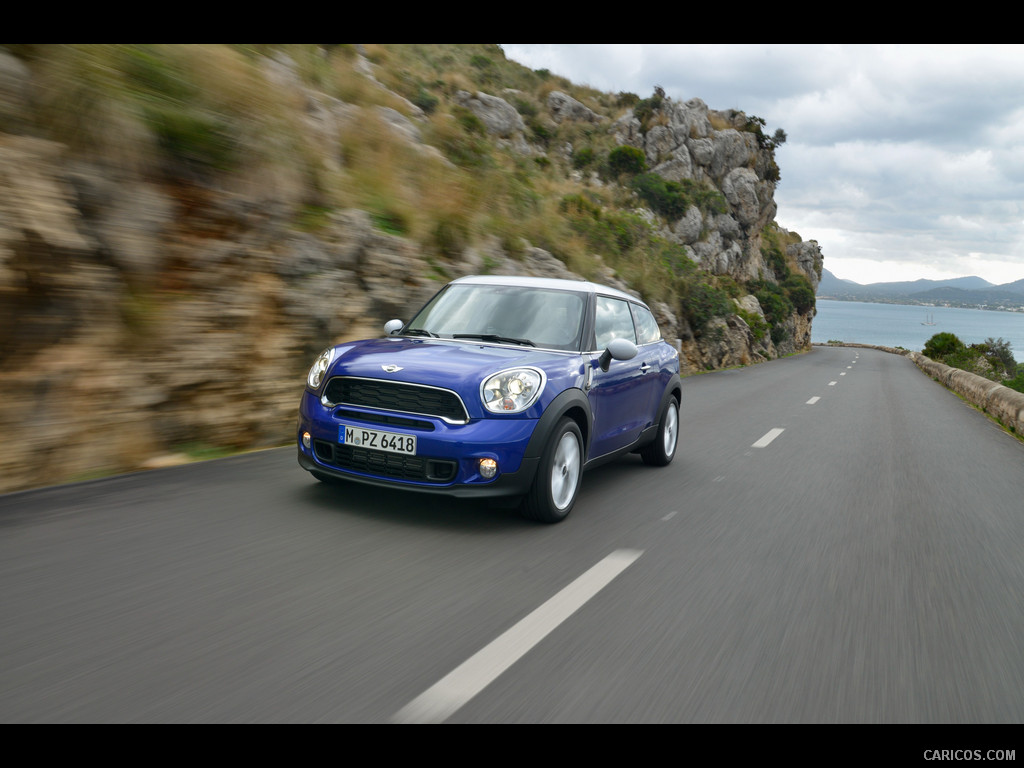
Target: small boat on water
<point>929,320</point>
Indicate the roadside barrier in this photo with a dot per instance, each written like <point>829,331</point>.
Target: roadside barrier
<point>1001,403</point>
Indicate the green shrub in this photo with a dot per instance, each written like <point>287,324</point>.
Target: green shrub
<point>666,198</point>
<point>705,197</point>
<point>756,323</point>
<point>540,132</point>
<point>626,99</point>
<point>677,259</point>
<point>425,100</point>
<point>1001,350</point>
<point>646,109</point>
<point>470,123</point>
<point>197,139</point>
<point>776,305</point>
<point>671,199</point>
<point>755,125</point>
<point>774,302</point>
<point>700,302</point>
<point>971,360</point>
<point>730,286</point>
<point>773,255</point>
<point>524,107</point>
<point>1016,382</point>
<point>582,157</point>
<point>612,233</point>
<point>993,358</point>
<point>942,344</point>
<point>391,221</point>
<point>466,149</point>
<point>800,292</point>
<point>626,160</point>
<point>628,230</point>
<point>779,334</point>
<point>151,73</point>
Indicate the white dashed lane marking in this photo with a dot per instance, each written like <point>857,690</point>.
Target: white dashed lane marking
<point>813,400</point>
<point>769,436</point>
<point>441,700</point>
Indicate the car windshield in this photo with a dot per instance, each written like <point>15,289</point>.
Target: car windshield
<point>506,314</point>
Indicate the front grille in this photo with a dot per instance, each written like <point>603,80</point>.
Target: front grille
<point>396,396</point>
<point>419,468</point>
<point>390,421</point>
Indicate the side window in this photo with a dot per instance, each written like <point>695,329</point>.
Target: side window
<point>612,321</point>
<point>646,326</point>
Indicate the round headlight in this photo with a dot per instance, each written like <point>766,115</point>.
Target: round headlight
<point>512,391</point>
<point>320,366</point>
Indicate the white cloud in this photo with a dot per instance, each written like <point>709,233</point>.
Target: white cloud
<point>900,159</point>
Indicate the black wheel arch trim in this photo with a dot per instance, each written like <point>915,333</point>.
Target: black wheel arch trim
<point>675,387</point>
<point>571,402</point>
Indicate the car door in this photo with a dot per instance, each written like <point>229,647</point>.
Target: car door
<point>619,397</point>
<point>654,357</point>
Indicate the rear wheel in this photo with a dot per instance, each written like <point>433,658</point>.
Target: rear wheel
<point>661,452</point>
<point>557,483</point>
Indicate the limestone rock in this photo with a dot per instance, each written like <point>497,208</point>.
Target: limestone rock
<point>498,116</point>
<point>563,107</point>
<point>138,318</point>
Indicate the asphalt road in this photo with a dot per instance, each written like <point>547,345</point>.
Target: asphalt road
<point>839,540</point>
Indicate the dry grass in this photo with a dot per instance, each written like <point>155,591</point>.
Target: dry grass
<point>100,99</point>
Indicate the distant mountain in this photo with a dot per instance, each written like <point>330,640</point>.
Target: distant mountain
<point>959,291</point>
<point>830,285</point>
<point>919,286</point>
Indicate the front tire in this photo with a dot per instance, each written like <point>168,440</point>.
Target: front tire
<point>554,490</point>
<point>661,452</point>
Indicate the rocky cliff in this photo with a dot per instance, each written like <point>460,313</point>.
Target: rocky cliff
<point>147,311</point>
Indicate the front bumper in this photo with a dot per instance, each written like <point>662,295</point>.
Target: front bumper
<point>447,455</point>
<point>507,484</point>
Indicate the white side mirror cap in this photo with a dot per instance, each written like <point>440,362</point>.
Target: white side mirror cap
<point>618,349</point>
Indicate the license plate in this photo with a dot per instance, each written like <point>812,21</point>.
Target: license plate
<point>360,437</point>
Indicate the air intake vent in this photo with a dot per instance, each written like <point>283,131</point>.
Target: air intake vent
<point>396,396</point>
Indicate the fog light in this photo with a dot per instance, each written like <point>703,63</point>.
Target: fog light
<point>307,439</point>
<point>488,468</point>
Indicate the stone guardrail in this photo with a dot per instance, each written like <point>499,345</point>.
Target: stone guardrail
<point>1002,403</point>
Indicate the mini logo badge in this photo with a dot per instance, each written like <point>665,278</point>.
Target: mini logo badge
<point>389,368</point>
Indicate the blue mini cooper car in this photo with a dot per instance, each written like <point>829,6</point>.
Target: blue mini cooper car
<point>505,388</point>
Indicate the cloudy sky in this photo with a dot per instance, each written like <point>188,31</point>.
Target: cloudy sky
<point>902,161</point>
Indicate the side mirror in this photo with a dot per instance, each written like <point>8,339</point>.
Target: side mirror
<point>391,327</point>
<point>618,349</point>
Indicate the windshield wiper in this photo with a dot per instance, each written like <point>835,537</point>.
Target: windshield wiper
<point>420,332</point>
<point>494,338</point>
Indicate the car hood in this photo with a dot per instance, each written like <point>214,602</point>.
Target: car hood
<point>456,365</point>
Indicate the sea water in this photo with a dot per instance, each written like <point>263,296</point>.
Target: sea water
<point>904,325</point>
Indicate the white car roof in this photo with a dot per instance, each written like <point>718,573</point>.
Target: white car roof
<point>551,283</point>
